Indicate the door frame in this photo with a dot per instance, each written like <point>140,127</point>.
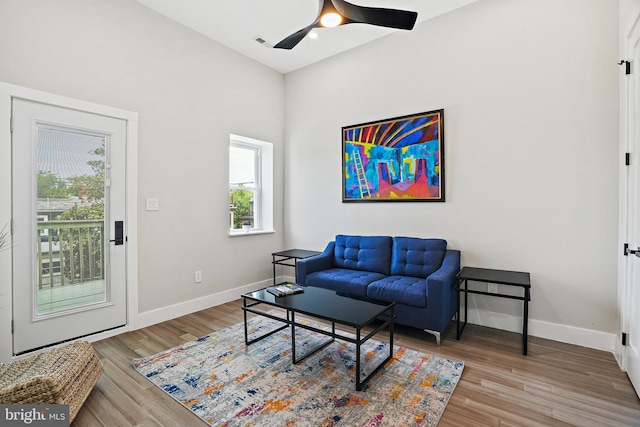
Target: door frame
<point>629,189</point>
<point>9,91</point>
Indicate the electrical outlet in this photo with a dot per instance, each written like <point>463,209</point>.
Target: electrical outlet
<point>492,288</point>
<point>198,276</point>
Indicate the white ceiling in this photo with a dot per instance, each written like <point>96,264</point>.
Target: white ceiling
<point>236,23</point>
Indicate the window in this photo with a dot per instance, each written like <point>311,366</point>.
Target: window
<point>250,185</point>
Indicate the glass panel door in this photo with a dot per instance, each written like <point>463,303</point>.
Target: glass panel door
<point>70,204</point>
<point>69,253</point>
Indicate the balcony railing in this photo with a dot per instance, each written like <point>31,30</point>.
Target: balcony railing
<point>70,252</point>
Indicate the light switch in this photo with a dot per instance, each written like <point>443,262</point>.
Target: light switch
<point>153,205</point>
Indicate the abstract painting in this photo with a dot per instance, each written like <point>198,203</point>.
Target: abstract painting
<point>394,160</point>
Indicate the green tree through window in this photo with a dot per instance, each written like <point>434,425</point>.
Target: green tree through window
<point>50,186</point>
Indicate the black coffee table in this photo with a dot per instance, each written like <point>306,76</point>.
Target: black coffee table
<point>326,305</point>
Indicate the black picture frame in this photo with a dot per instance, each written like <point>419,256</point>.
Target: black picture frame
<point>400,159</point>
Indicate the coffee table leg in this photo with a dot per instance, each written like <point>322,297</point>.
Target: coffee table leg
<point>293,336</point>
<point>246,333</point>
<point>390,322</point>
<point>318,348</point>
<point>358,383</point>
<point>393,316</point>
<point>248,307</point>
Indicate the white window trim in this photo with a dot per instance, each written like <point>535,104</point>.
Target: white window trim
<point>263,222</point>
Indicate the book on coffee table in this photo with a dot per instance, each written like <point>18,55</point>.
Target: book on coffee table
<point>284,289</point>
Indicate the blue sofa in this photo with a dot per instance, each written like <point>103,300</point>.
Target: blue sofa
<point>418,274</point>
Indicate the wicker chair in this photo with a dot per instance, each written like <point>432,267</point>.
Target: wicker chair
<point>63,375</point>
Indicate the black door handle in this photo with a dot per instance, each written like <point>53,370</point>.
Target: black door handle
<point>119,233</point>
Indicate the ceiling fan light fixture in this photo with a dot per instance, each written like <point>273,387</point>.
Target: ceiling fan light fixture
<point>333,13</point>
<point>330,20</point>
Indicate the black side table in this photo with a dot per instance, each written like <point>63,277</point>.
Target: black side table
<point>502,277</point>
<point>280,258</point>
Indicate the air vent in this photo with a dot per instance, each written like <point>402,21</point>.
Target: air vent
<point>262,41</point>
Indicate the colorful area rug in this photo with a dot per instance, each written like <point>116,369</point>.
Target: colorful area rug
<point>227,383</point>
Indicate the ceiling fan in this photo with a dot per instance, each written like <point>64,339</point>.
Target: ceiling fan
<point>338,12</point>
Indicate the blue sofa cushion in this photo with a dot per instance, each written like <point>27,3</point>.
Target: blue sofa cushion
<point>363,253</point>
<point>351,282</point>
<point>401,289</point>
<point>417,257</point>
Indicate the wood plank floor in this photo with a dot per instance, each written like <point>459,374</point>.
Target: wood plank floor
<point>557,384</point>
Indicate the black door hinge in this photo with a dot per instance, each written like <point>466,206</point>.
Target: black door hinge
<point>627,159</point>
<point>624,338</point>
<point>627,66</point>
<point>628,251</point>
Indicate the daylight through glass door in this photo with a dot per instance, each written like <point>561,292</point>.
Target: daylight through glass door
<point>70,203</point>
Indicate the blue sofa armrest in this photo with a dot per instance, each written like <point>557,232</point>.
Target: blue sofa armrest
<point>441,288</point>
<point>306,266</point>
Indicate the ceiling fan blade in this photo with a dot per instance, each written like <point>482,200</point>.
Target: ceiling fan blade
<point>391,18</point>
<point>351,13</point>
<point>291,41</point>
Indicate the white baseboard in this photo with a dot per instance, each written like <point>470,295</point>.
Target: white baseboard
<point>554,331</point>
<point>152,317</point>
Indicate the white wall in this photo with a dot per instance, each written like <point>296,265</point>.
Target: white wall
<point>190,93</point>
<point>530,93</point>
<point>531,111</point>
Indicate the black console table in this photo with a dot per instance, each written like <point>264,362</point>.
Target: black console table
<point>502,277</point>
<point>281,258</point>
